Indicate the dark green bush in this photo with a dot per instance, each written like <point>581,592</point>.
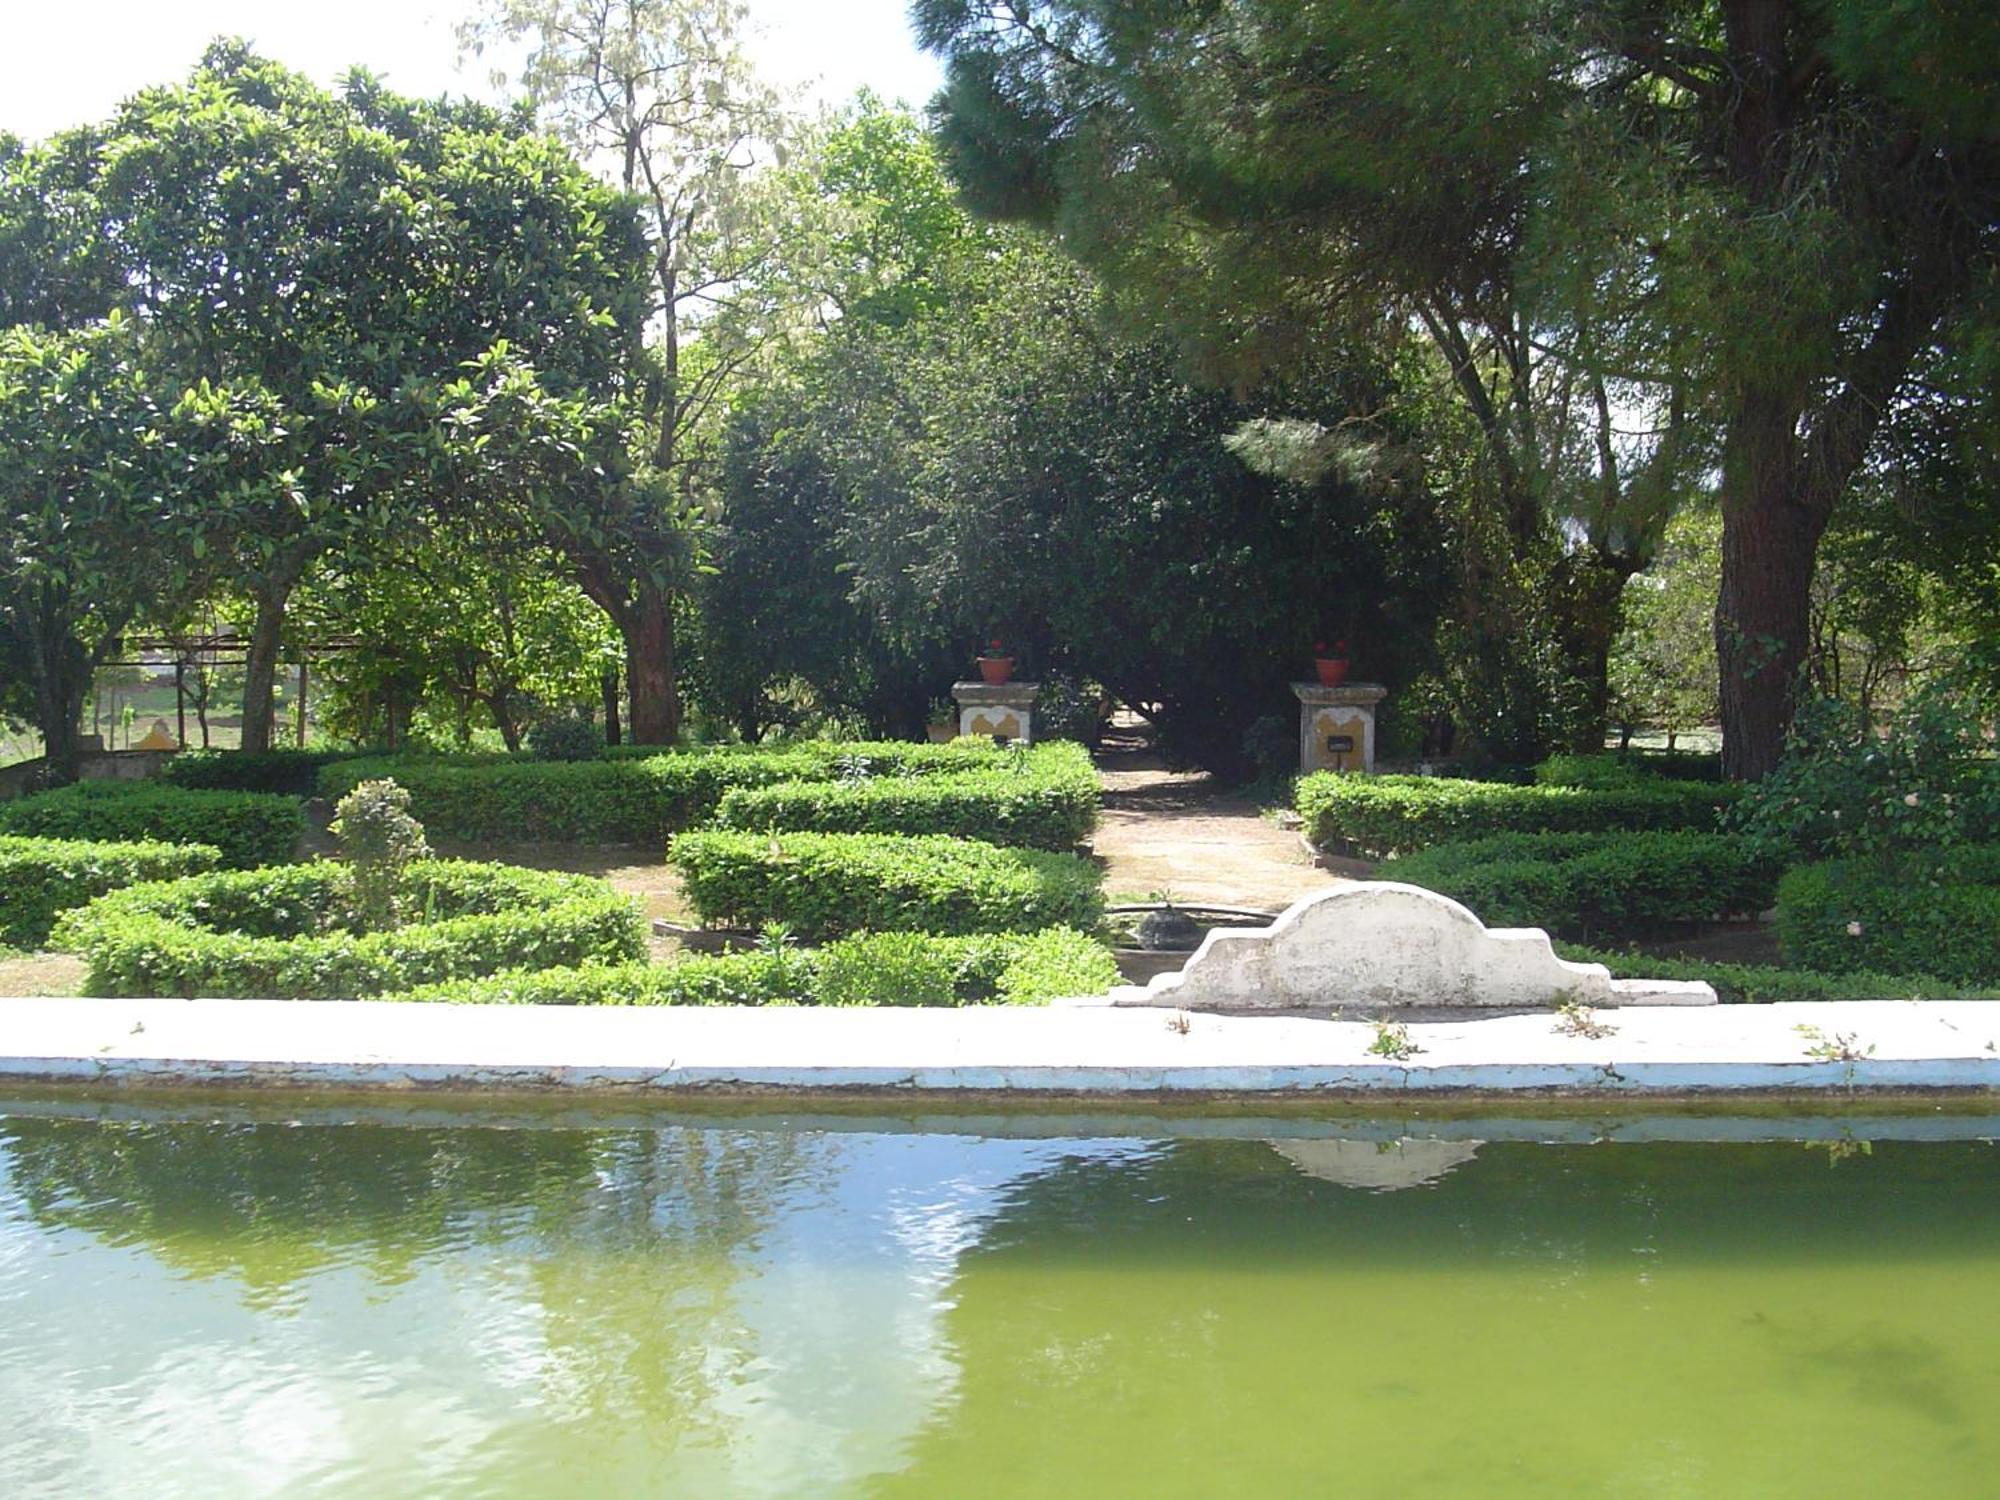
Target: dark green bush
<point>1847,915</point>
<point>565,737</point>
<point>889,968</point>
<point>1041,798</point>
<point>823,885</point>
<point>1767,984</point>
<point>627,796</point>
<point>40,879</point>
<point>1595,884</point>
<point>290,773</point>
<point>290,933</point>
<point>249,828</point>
<point>1377,816</point>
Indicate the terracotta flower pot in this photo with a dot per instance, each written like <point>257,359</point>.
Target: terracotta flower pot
<point>1332,670</point>
<point>996,669</point>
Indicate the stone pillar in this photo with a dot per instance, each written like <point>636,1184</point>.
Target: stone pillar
<point>1006,709</point>
<point>1337,725</point>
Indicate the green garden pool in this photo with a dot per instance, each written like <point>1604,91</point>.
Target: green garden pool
<point>723,1307</point>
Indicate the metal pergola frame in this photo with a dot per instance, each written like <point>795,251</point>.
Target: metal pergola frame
<point>225,648</point>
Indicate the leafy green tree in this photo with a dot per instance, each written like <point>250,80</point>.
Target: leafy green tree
<point>1752,222</point>
<point>106,494</point>
<point>969,453</point>
<point>346,251</point>
<point>659,94</point>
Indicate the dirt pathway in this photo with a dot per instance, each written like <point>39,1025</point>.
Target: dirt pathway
<point>1168,831</point>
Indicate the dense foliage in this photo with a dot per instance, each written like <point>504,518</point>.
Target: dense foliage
<point>294,933</point>
<point>248,828</point>
<point>1378,816</point>
<point>825,885</point>
<point>887,968</point>
<point>40,878</point>
<point>291,773</point>
<point>640,795</point>
<point>1595,885</point>
<point>1841,916</point>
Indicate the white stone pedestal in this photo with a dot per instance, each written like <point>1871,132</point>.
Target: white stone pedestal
<point>1337,725</point>
<point>1004,710</point>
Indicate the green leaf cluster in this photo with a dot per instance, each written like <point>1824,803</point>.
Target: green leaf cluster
<point>293,933</point>
<point>885,968</point>
<point>41,878</point>
<point>826,885</point>
<point>1379,816</point>
<point>1595,885</point>
<point>248,828</point>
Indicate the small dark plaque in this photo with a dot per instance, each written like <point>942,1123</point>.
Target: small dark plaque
<point>1340,744</point>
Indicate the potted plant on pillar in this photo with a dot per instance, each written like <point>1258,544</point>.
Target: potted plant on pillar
<point>995,665</point>
<point>1330,661</point>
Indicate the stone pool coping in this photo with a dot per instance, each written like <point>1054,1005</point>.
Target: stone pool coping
<point>1905,1045</point>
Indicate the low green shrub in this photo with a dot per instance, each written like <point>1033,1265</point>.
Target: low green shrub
<point>1041,798</point>
<point>1768,984</point>
<point>1594,884</point>
<point>248,828</point>
<point>290,933</point>
<point>886,968</point>
<point>289,773</point>
<point>1847,915</point>
<point>630,794</point>
<point>1378,816</point>
<point>569,736</point>
<point>40,879</point>
<point>822,885</point>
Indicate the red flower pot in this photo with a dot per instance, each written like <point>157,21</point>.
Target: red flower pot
<point>996,669</point>
<point>1332,670</point>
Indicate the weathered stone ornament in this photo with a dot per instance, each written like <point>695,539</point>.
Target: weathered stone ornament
<point>1376,945</point>
<point>1003,710</point>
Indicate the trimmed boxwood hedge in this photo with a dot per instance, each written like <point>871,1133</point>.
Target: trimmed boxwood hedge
<point>822,885</point>
<point>1602,884</point>
<point>883,968</point>
<point>283,933</point>
<point>291,773</point>
<point>40,879</point>
<point>1847,915</point>
<point>1046,799</point>
<point>1378,816</point>
<point>248,828</point>
<point>631,795</point>
<point>1617,768</point>
<point>1768,984</point>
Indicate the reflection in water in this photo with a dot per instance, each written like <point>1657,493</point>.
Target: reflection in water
<point>1379,1166</point>
<point>379,1311</point>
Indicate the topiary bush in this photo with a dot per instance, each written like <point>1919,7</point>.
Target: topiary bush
<point>631,794</point>
<point>292,933</point>
<point>1595,884</point>
<point>823,885</point>
<point>379,841</point>
<point>1044,797</point>
<point>1842,916</point>
<point>248,829</point>
<point>565,737</point>
<point>290,773</point>
<point>887,968</point>
<point>1378,816</point>
<point>40,879</point>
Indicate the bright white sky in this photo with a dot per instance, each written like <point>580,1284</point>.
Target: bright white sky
<point>66,62</point>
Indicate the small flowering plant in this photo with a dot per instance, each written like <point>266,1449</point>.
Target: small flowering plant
<point>1334,652</point>
<point>993,651</point>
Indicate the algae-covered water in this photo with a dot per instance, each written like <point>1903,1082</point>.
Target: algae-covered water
<point>739,1309</point>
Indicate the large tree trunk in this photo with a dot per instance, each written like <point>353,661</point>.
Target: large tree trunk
<point>648,628</point>
<point>260,663</point>
<point>1772,520</point>
<point>63,669</point>
<point>607,685</point>
<point>1589,608</point>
